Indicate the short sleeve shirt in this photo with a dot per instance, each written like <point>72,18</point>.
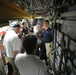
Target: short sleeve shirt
<point>11,43</point>
<point>30,65</point>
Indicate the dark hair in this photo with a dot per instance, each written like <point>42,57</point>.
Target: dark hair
<point>46,21</point>
<point>23,23</point>
<point>29,43</point>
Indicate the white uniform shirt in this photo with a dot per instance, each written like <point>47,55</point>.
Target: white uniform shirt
<point>11,43</point>
<point>30,65</point>
<point>36,29</point>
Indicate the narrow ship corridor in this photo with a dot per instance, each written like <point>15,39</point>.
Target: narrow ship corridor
<point>59,55</point>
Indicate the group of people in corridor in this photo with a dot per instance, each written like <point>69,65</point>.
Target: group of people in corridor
<point>26,49</point>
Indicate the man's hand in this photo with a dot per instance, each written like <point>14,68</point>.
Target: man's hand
<point>15,53</point>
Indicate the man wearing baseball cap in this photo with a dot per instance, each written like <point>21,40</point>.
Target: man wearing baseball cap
<point>12,45</point>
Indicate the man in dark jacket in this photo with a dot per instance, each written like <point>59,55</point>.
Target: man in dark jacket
<point>47,36</point>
